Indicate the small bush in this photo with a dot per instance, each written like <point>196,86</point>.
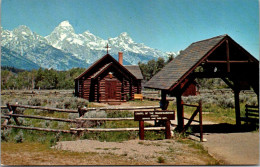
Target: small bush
<point>4,134</point>
<point>35,102</point>
<point>41,139</point>
<point>95,114</point>
<point>253,101</point>
<point>119,114</point>
<point>73,116</point>
<point>160,160</point>
<point>19,137</point>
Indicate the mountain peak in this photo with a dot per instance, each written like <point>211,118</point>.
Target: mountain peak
<point>64,27</point>
<point>65,23</point>
<point>22,29</point>
<point>124,34</point>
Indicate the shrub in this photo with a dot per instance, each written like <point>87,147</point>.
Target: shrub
<point>19,137</point>
<point>160,160</point>
<point>73,115</point>
<point>35,102</point>
<point>253,101</point>
<point>95,114</point>
<point>4,134</point>
<point>119,114</point>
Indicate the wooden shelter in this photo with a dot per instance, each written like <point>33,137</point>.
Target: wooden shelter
<point>108,80</point>
<point>217,57</point>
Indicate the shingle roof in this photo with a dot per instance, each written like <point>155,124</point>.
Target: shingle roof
<point>101,70</point>
<point>135,70</point>
<point>182,64</point>
<point>132,70</point>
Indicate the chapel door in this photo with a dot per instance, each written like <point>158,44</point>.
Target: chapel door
<point>111,89</point>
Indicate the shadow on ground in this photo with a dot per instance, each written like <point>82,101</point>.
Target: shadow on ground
<point>223,128</point>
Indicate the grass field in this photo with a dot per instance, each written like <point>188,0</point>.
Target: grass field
<point>27,147</point>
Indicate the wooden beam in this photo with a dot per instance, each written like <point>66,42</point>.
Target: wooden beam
<point>180,112</point>
<point>228,83</point>
<point>227,51</point>
<point>224,61</point>
<point>163,102</point>
<point>237,107</point>
<point>210,75</point>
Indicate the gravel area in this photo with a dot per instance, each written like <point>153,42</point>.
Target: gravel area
<point>145,151</point>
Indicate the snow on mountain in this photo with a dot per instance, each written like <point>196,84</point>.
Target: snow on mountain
<point>89,48</point>
<point>64,49</point>
<point>35,49</point>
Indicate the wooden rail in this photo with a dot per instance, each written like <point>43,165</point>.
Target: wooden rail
<point>12,114</point>
<point>116,129</point>
<point>4,107</point>
<point>44,108</point>
<point>40,129</point>
<point>122,108</point>
<point>42,117</point>
<point>251,115</point>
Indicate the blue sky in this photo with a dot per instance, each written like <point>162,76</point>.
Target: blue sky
<point>167,25</point>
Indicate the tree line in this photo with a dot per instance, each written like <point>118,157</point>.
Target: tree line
<point>152,67</point>
<point>12,78</point>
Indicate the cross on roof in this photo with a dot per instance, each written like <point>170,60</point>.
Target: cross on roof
<point>107,48</point>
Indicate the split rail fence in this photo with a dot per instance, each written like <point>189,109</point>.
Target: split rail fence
<point>12,113</point>
<point>251,115</point>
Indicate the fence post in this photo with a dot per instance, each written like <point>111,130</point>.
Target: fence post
<point>246,114</point>
<point>168,129</point>
<point>200,120</point>
<point>141,130</point>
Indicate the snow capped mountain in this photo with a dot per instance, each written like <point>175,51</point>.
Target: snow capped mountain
<point>89,48</point>
<point>64,49</point>
<point>33,48</point>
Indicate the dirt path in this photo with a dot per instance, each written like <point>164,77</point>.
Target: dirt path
<point>234,148</point>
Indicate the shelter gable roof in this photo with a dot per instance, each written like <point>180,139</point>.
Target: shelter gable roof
<point>173,72</point>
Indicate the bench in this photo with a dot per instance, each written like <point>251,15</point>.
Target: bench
<point>138,96</point>
<point>251,115</point>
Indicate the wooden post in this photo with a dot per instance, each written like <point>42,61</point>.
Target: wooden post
<point>180,113</point>
<point>81,113</point>
<point>141,130</point>
<point>168,129</point>
<point>163,102</point>
<point>200,120</point>
<point>227,52</point>
<point>237,107</point>
<point>246,114</point>
<point>12,110</point>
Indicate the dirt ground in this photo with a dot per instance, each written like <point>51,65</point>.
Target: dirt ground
<point>147,152</point>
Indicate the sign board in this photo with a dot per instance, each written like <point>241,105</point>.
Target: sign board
<point>154,115</point>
